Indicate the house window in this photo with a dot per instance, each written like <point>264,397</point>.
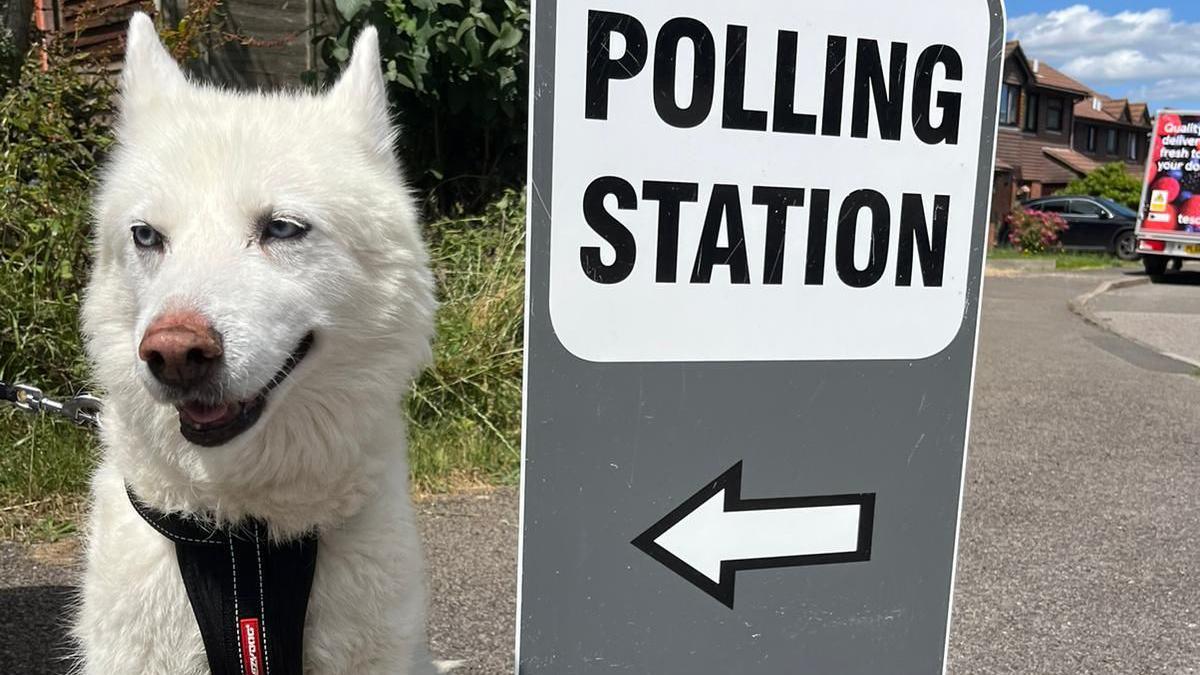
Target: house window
<point>1010,100</point>
<point>1133,145</point>
<point>1054,114</point>
<point>1091,138</point>
<point>1110,143</point>
<point>1031,112</point>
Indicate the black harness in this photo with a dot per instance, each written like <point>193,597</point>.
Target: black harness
<point>249,594</point>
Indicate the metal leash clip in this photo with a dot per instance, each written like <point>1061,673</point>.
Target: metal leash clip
<point>83,410</point>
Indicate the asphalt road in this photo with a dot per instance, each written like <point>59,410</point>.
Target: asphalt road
<point>1165,315</point>
<point>1080,549</point>
<point>1080,546</point>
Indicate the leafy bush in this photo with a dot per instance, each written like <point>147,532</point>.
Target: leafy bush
<point>457,71</point>
<point>1034,231</point>
<point>53,133</point>
<point>1111,181</point>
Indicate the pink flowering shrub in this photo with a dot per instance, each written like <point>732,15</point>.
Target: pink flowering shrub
<point>1034,231</point>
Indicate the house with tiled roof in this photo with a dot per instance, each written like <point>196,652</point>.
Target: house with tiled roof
<point>1054,129</point>
<point>1109,130</point>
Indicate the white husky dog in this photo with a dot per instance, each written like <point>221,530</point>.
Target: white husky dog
<point>260,301</point>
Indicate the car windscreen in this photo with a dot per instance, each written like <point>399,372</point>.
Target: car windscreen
<point>1120,210</point>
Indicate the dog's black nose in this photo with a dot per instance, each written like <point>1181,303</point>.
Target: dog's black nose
<point>181,349</point>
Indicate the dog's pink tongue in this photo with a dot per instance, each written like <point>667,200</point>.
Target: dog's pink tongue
<point>198,414</point>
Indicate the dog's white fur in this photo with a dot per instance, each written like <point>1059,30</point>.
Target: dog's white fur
<point>200,164</point>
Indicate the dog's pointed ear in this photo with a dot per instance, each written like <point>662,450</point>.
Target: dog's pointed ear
<point>149,72</point>
<point>361,93</point>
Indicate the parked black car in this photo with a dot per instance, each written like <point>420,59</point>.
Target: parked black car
<point>1095,224</point>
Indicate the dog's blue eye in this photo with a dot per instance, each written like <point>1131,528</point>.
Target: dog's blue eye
<point>283,228</point>
<point>145,236</point>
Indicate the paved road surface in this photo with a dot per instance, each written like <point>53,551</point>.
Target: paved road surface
<point>1081,532</point>
<point>1164,315</point>
<point>1080,548</point>
<point>471,544</point>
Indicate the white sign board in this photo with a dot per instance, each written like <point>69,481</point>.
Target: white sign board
<point>749,186</point>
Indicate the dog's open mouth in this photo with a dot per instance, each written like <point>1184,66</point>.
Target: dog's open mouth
<point>209,425</point>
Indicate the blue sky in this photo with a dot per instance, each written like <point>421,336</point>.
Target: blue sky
<point>1186,10</point>
<point>1146,50</point>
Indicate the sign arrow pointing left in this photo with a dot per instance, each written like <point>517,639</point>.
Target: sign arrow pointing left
<point>715,533</point>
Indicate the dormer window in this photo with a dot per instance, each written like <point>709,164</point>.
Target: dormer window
<point>1010,104</point>
<point>1054,113</point>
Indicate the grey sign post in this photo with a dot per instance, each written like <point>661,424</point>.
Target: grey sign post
<point>755,257</point>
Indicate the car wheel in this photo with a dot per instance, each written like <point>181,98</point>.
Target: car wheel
<point>1156,266</point>
<point>1125,246</point>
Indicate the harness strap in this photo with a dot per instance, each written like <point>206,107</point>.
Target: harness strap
<point>249,594</point>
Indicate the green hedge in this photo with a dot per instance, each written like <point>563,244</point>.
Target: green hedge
<point>458,73</point>
<point>52,138</point>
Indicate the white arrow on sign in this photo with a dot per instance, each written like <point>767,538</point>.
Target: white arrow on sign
<point>715,533</point>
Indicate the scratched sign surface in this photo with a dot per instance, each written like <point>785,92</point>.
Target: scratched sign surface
<point>755,258</point>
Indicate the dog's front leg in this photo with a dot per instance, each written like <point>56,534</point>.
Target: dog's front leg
<point>134,617</point>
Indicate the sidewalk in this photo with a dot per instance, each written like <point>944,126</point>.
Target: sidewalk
<point>1165,316</point>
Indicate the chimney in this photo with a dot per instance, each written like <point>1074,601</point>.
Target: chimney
<point>1036,65</point>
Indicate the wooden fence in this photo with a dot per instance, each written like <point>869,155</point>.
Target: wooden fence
<point>256,43</point>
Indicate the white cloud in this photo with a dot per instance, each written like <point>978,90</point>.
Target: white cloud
<point>1170,91</point>
<point>1128,64</point>
<point>1142,54</point>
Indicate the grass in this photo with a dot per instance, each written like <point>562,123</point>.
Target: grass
<point>42,457</point>
<point>1065,260</point>
<point>465,412</point>
<point>44,468</point>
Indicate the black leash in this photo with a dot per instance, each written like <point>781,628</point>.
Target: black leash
<point>249,594</point>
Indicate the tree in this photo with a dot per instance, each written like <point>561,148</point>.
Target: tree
<point>1111,181</point>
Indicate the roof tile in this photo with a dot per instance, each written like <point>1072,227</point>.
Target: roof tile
<point>1049,76</point>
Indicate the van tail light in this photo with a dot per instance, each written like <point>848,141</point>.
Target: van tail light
<point>1152,245</point>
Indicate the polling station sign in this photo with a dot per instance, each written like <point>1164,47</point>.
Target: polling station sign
<point>755,248</point>
<point>728,163</point>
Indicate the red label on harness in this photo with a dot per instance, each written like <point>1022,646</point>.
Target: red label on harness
<point>251,647</point>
